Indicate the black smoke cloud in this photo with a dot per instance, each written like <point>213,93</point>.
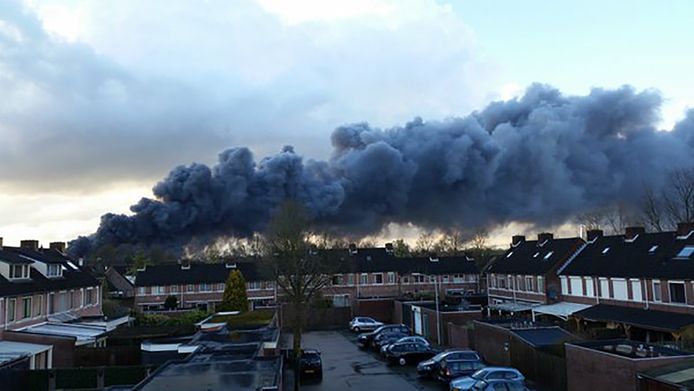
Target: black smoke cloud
<point>539,159</point>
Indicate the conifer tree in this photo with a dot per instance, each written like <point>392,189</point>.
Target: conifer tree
<point>235,297</point>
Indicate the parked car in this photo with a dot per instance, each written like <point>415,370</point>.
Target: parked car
<point>453,369</point>
<point>499,385</point>
<point>311,364</point>
<point>488,374</point>
<point>363,323</point>
<point>387,338</point>
<point>409,353</point>
<point>385,343</point>
<point>430,367</point>
<point>364,340</point>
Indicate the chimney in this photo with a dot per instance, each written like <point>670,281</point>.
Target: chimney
<point>80,262</point>
<point>543,237</point>
<point>58,246</point>
<point>517,239</point>
<point>632,232</point>
<point>352,249</point>
<point>433,257</point>
<point>30,244</point>
<point>683,229</point>
<point>0,243</point>
<point>594,234</point>
<point>389,248</point>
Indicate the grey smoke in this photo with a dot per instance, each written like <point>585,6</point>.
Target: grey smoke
<point>540,159</point>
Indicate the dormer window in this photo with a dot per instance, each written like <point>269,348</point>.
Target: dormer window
<point>549,254</point>
<point>605,250</point>
<point>54,270</point>
<point>686,252</point>
<point>185,266</point>
<point>652,249</point>
<point>230,265</point>
<point>18,272</point>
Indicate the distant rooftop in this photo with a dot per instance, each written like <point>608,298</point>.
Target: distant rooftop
<point>631,349</point>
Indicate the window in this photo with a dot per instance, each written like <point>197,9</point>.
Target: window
<point>589,287</point>
<point>337,279</point>
<point>657,295</point>
<point>157,290</point>
<point>191,288</point>
<point>54,270</point>
<point>90,297</point>
<point>501,282</point>
<point>604,288</point>
<point>39,300</point>
<point>537,254</point>
<point>391,278</point>
<point>509,254</point>
<point>173,289</point>
<point>619,289</point>
<point>457,278</point>
<point>529,284</point>
<point>363,279</point>
<point>686,252</point>
<point>378,278</point>
<point>72,299</point>
<point>26,305</point>
<point>141,290</point>
<point>204,287</point>
<point>605,250</point>
<point>635,290</point>
<point>652,249</point>
<point>576,286</point>
<point>549,254</point>
<point>19,271</point>
<point>519,283</point>
<point>677,292</point>
<point>350,279</point>
<point>418,278</point>
<point>540,284</point>
<point>445,279</point>
<point>11,303</point>
<point>564,286</point>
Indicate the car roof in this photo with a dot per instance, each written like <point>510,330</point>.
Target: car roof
<point>316,351</point>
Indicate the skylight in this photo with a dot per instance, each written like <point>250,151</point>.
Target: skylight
<point>686,252</point>
<point>652,250</point>
<point>605,250</point>
<point>509,254</point>
<point>536,254</point>
<point>549,254</point>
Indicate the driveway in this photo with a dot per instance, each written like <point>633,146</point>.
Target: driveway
<point>346,367</point>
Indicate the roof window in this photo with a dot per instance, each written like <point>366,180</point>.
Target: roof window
<point>686,252</point>
<point>536,254</point>
<point>509,254</point>
<point>605,250</point>
<point>549,254</point>
<point>652,249</point>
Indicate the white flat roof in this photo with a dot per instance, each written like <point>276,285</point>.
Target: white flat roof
<point>512,307</point>
<point>83,333</point>
<point>562,309</point>
<point>22,347</point>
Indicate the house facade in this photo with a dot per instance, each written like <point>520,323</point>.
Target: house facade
<point>361,273</point>
<point>38,285</point>
<point>527,272</point>
<point>650,271</point>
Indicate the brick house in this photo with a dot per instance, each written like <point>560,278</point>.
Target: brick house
<point>527,272</point>
<point>361,273</point>
<point>631,278</point>
<point>38,285</point>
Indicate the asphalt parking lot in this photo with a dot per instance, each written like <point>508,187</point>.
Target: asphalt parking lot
<point>346,367</point>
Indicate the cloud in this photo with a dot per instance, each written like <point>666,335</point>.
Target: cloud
<point>100,93</point>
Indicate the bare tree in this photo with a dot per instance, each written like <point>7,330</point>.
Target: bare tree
<point>652,211</point>
<point>300,269</point>
<point>452,242</point>
<point>678,196</point>
<point>425,243</point>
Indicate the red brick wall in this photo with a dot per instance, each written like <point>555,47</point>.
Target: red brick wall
<point>379,309</point>
<point>489,342</point>
<point>588,369</point>
<point>63,347</point>
<point>460,336</point>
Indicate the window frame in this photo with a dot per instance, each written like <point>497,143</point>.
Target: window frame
<point>27,307</point>
<point>684,291</point>
<point>659,290</point>
<point>11,315</point>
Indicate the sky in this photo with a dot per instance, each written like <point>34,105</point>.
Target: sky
<point>101,99</point>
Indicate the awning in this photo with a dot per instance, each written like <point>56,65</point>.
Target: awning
<point>84,334</point>
<point>512,307</point>
<point>561,310</point>
<point>645,319</point>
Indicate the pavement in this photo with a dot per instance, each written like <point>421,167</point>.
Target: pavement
<point>346,367</point>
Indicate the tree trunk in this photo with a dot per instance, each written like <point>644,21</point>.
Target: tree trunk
<point>296,330</point>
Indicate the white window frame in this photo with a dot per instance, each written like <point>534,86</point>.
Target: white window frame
<point>604,288</point>
<point>579,291</point>
<point>638,289</point>
<point>540,284</point>
<point>58,271</point>
<point>23,271</point>
<point>40,301</point>
<point>590,287</point>
<point>669,292</point>
<point>375,278</point>
<point>529,287</point>
<point>26,299</point>
<point>615,291</point>
<point>364,279</point>
<point>391,278</point>
<point>564,285</point>
<point>11,315</point>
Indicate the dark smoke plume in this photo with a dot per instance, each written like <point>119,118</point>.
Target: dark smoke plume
<point>541,159</point>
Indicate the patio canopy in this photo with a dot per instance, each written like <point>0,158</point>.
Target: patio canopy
<point>561,310</point>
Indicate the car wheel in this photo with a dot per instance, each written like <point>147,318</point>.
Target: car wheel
<point>356,329</point>
<point>402,361</point>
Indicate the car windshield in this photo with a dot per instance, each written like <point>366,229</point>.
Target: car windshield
<point>481,374</point>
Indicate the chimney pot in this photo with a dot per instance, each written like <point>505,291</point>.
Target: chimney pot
<point>352,248</point>
<point>30,244</point>
<point>543,237</point>
<point>683,229</point>
<point>389,247</point>
<point>631,232</point>
<point>594,234</point>
<point>58,246</point>
<point>517,239</point>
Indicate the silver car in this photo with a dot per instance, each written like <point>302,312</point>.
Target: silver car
<point>412,339</point>
<point>364,323</point>
<point>487,375</point>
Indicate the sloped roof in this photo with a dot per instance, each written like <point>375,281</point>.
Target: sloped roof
<point>545,336</point>
<point>633,259</point>
<point>173,273</point>
<point>73,276</point>
<point>647,319</point>
<point>531,257</point>
<point>680,374</point>
<point>375,260</point>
